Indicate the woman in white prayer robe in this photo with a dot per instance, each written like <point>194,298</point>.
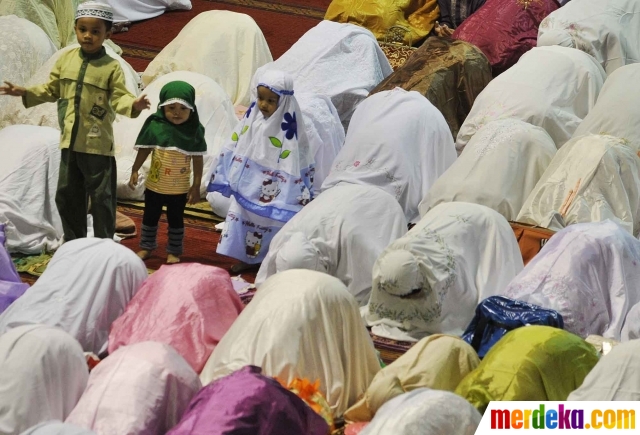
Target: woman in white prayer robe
<point>46,114</point>
<point>138,10</point>
<point>56,18</point>
<point>431,280</point>
<point>608,30</point>
<point>28,182</point>
<point>589,273</point>
<point>235,48</point>
<point>616,377</point>
<point>43,373</point>
<point>341,232</point>
<point>591,179</point>
<point>301,324</point>
<point>550,87</point>
<point>25,47</point>
<point>499,167</point>
<point>425,412</point>
<point>398,141</point>
<point>617,111</point>
<point>322,62</point>
<point>85,287</point>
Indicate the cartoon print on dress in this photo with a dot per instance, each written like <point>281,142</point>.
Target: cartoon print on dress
<point>253,243</point>
<point>94,131</point>
<point>305,197</point>
<point>311,174</point>
<point>269,190</point>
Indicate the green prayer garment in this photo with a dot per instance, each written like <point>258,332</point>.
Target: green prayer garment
<point>159,133</point>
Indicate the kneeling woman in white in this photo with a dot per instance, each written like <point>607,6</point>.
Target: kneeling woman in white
<point>342,232</point>
<point>431,280</point>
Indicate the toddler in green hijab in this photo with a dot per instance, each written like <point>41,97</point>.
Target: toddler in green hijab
<point>176,137</point>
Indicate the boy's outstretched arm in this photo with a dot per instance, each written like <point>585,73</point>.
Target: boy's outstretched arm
<point>141,103</point>
<point>10,89</point>
<point>194,192</point>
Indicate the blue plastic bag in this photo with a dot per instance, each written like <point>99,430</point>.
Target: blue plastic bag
<point>497,315</point>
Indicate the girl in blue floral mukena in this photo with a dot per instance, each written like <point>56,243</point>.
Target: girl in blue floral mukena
<point>267,170</point>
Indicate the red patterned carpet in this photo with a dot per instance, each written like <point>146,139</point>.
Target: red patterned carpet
<point>199,243</point>
<point>283,22</point>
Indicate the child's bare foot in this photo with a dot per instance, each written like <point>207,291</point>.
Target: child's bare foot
<point>172,259</point>
<point>244,267</point>
<point>144,254</point>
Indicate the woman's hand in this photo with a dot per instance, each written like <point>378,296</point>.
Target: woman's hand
<point>443,30</point>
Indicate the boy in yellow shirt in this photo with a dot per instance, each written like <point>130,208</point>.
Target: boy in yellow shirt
<point>89,87</point>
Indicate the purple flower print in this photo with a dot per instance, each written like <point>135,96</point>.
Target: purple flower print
<point>290,125</point>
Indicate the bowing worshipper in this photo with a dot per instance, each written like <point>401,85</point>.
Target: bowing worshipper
<point>267,167</point>
<point>87,165</point>
<point>341,232</point>
<point>13,112</point>
<point>550,87</point>
<point>505,29</point>
<point>192,320</point>
<point>425,412</point>
<point>448,72</point>
<point>28,180</point>
<point>614,378</point>
<point>399,142</point>
<point>57,428</point>
<point>301,324</point>
<point>235,49</point>
<point>591,179</point>
<point>11,286</point>
<point>589,274</point>
<point>616,112</point>
<point>215,113</point>
<point>25,48</point>
<point>127,11</point>
<point>322,61</point>
<point>55,18</point>
<point>85,287</point>
<point>536,363</point>
<point>417,17</point>
<point>175,139</point>
<point>499,167</point>
<point>43,373</point>
<point>247,402</point>
<point>143,388</point>
<point>431,280</point>
<point>608,30</point>
<point>438,362</point>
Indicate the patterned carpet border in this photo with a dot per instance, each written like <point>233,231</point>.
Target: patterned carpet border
<point>272,6</point>
<point>201,210</point>
<point>139,52</point>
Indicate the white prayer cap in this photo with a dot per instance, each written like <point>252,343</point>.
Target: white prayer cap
<point>94,9</point>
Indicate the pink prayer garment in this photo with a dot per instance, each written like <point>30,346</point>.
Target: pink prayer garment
<point>188,306</point>
<point>142,389</point>
<point>11,286</point>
